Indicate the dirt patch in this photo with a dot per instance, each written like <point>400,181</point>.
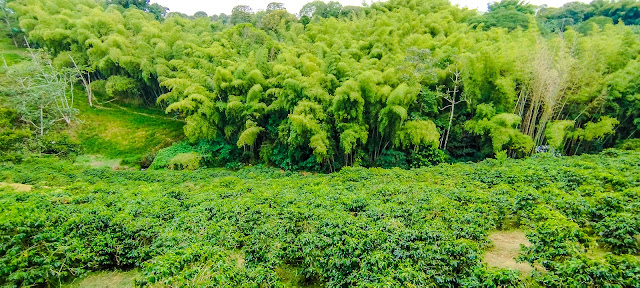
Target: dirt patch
<point>16,186</point>
<point>506,247</point>
<point>114,279</point>
<point>237,258</point>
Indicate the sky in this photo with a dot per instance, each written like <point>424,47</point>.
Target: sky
<point>224,6</point>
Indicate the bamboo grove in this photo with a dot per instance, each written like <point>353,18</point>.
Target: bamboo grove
<point>401,81</point>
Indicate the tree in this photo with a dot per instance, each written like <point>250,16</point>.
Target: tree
<point>510,14</point>
<point>516,5</point>
<point>310,9</point>
<point>274,19</point>
<point>200,14</point>
<point>241,14</point>
<point>84,73</point>
<point>44,94</point>
<point>452,98</point>
<point>275,6</point>
<point>158,11</point>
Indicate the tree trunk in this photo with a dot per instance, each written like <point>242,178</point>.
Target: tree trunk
<point>446,139</point>
<point>87,86</point>
<point>41,122</point>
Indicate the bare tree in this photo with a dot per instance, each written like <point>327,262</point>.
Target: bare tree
<point>451,98</point>
<point>44,93</point>
<point>85,82</point>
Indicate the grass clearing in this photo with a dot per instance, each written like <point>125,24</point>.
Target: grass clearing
<point>98,161</point>
<point>106,279</point>
<point>116,132</point>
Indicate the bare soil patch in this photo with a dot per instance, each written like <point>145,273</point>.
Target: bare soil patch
<point>506,247</point>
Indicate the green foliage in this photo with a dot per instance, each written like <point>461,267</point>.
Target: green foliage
<point>164,157</point>
<point>121,87</point>
<point>426,157</point>
<point>12,137</point>
<point>42,94</point>
<point>185,161</point>
<point>343,85</point>
<point>631,144</point>
<point>600,129</point>
<point>509,14</point>
<point>501,129</point>
<point>557,133</point>
<point>392,158</point>
<point>249,135</point>
<point>260,226</point>
<point>618,232</point>
<point>418,134</point>
<point>59,144</point>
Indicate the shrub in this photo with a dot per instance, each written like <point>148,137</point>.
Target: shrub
<point>147,160</point>
<point>164,156</point>
<point>427,157</point>
<point>185,161</point>
<point>59,144</point>
<point>122,87</point>
<point>391,159</point>
<point>631,144</point>
<point>618,232</point>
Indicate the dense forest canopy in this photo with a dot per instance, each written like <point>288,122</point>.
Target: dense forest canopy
<point>400,83</point>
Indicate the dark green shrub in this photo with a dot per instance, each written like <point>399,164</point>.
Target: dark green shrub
<point>147,160</point>
<point>59,144</point>
<point>617,232</point>
<point>391,159</point>
<point>426,157</point>
<point>585,272</point>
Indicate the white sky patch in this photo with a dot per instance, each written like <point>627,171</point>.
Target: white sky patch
<point>212,7</point>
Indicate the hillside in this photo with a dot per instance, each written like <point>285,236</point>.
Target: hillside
<point>264,227</point>
<point>112,134</point>
<point>409,143</point>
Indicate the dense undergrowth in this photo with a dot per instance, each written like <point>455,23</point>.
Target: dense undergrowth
<point>263,227</point>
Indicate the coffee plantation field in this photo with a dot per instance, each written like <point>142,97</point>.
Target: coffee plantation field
<point>263,227</point>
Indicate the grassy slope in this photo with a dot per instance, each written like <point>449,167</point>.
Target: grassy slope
<point>113,131</point>
<point>127,133</point>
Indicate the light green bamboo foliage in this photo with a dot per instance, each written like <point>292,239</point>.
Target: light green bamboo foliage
<point>502,129</point>
<point>558,132</point>
<point>416,134</point>
<point>393,115</point>
<point>348,104</point>
<point>371,71</point>
<point>598,130</point>
<point>249,136</point>
<point>122,87</point>
<point>185,161</point>
<point>306,127</point>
